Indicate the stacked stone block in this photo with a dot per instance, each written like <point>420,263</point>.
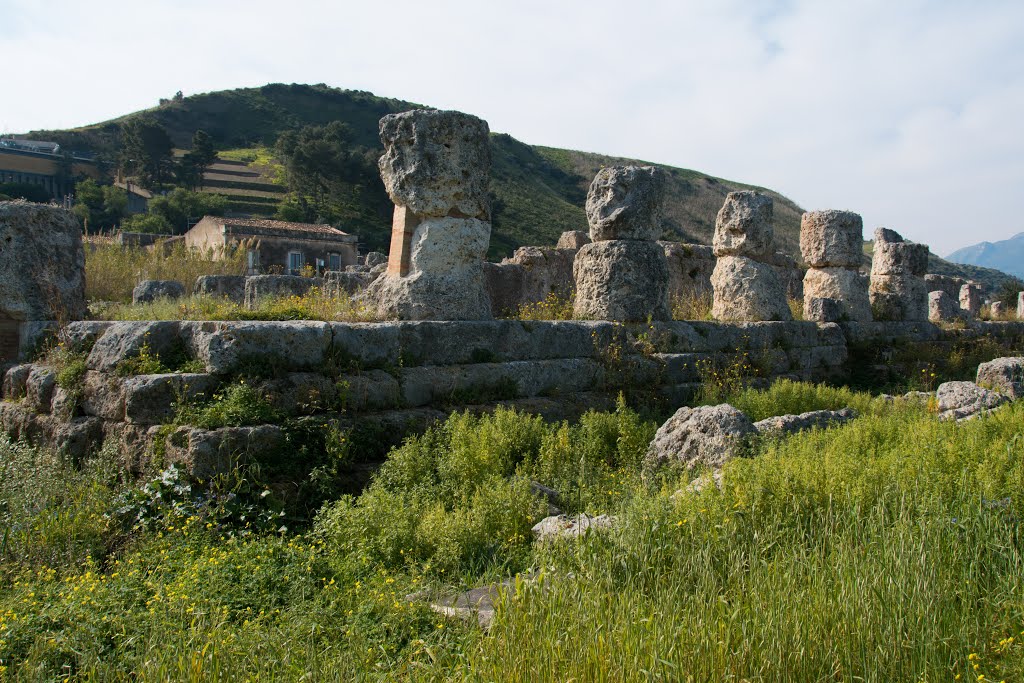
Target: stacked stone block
<point>436,169</point>
<point>970,299</point>
<point>622,274</point>
<point>898,290</point>
<point>942,308</point>
<point>746,286</point>
<point>831,242</point>
<point>1020,306</point>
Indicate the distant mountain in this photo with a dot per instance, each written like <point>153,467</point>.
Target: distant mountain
<point>1005,255</point>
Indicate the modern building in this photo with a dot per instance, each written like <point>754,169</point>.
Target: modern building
<point>277,246</point>
<point>42,163</point>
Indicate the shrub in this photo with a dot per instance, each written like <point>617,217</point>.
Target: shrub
<point>236,405</point>
<point>553,307</point>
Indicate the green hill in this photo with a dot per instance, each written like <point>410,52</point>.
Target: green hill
<point>538,192</point>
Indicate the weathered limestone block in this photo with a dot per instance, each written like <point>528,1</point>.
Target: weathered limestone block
<point>815,419</point>
<point>123,340</point>
<point>823,310</point>
<point>265,286</point>
<point>437,163</point>
<point>895,256</point>
<point>707,436</point>
<point>790,273</point>
<point>744,226</point>
<point>624,203</point>
<point>832,239</point>
<point>64,405</point>
<point>970,299</point>
<point>42,263</point>
<point>148,291</point>
<point>504,283</point>
<point>103,396</point>
<point>375,258</point>
<point>563,527</point>
<point>622,280</point>
<point>1005,375</point>
<point>997,310</point>
<point>152,399</point>
<point>14,381</point>
<point>431,296</point>
<point>1020,306</point>
<point>301,393</point>
<point>945,283</point>
<point>898,297</point>
<point>204,454</point>
<point>746,289</point>
<point>846,286</point>
<point>230,287</point>
<point>226,347</point>
<point>346,283</point>
<point>965,400</point>
<point>942,308</point>
<point>573,239</point>
<point>39,386</point>
<point>371,390</point>
<point>546,271</point>
<point>689,269</point>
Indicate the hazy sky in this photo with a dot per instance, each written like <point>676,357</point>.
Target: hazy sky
<point>908,112</point>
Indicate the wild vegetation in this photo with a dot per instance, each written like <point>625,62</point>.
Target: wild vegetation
<point>885,549</point>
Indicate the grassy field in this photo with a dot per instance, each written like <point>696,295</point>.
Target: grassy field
<point>888,549</point>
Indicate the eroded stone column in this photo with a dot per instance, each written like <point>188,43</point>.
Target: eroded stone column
<point>623,275</point>
<point>970,299</point>
<point>831,242</point>
<point>436,169</point>
<point>898,290</point>
<point>1020,306</point>
<point>745,286</point>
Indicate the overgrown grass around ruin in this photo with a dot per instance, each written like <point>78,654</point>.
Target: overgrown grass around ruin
<point>886,549</point>
<point>112,270</point>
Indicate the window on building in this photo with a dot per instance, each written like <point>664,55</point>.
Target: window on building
<point>254,261</point>
<point>334,261</point>
<point>295,263</point>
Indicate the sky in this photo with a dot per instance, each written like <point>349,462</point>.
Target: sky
<point>910,113</point>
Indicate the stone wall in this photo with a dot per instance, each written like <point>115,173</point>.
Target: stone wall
<point>400,376</point>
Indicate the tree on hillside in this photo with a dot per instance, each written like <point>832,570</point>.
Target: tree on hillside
<point>146,151</point>
<point>318,159</point>
<point>192,166</point>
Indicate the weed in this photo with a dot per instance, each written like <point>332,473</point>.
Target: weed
<point>694,305</point>
<point>553,307</point>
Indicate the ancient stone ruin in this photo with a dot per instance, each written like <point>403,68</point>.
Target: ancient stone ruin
<point>622,274</point>
<point>831,244</point>
<point>898,290</point>
<point>42,270</point>
<point>436,169</point>
<point>942,308</point>
<point>970,299</point>
<point>746,286</point>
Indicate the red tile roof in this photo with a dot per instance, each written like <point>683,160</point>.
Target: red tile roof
<point>267,224</point>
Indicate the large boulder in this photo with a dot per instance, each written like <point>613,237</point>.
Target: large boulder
<point>965,400</point>
<point>846,286</point>
<point>1005,375</point>
<point>747,290</point>
<point>624,203</point>
<point>702,437</point>
<point>623,280</point>
<point>744,226</point>
<point>832,239</point>
<point>148,291</point>
<point>42,263</point>
<point>437,163</point>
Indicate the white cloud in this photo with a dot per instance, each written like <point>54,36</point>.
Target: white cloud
<point>906,112</point>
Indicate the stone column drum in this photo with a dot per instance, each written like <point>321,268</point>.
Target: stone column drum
<point>622,274</point>
<point>831,242</point>
<point>1020,306</point>
<point>745,286</point>
<point>436,169</point>
<point>898,290</point>
<point>970,299</point>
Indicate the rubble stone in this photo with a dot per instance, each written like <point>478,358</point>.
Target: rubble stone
<point>1005,375</point>
<point>148,291</point>
<point>965,400</point>
<point>706,436</point>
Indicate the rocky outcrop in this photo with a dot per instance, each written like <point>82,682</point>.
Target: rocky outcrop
<point>42,263</point>
<point>1005,375</point>
<point>966,400</point>
<point>702,437</point>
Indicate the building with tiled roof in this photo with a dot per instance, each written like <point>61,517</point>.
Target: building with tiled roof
<point>277,246</point>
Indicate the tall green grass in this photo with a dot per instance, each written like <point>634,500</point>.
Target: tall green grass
<point>885,549</point>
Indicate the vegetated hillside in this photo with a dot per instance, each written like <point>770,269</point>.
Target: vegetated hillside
<point>992,279</point>
<point>538,192</point>
<point>1006,255</point>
